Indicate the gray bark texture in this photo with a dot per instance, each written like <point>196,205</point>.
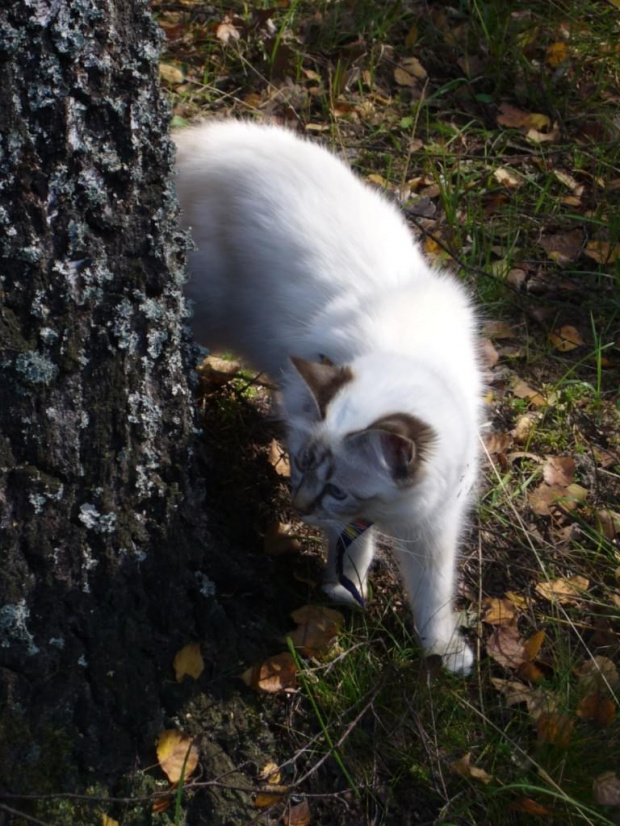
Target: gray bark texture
<point>99,504</point>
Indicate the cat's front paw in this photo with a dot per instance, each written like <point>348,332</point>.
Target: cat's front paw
<point>456,656</point>
<point>337,593</point>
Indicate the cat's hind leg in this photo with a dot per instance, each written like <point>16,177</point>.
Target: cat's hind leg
<point>354,565</point>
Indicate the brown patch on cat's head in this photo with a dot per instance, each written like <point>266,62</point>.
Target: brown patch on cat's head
<point>323,380</point>
<point>410,443</point>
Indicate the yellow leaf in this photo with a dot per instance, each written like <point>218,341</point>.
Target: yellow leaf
<point>278,540</point>
<point>171,74</point>
<point>524,391</point>
<point>533,644</point>
<point>270,773</point>
<point>517,599</point>
<point>317,628</point>
<point>602,252</point>
<point>499,611</point>
<point>566,338</point>
<point>278,673</point>
<point>173,748</point>
<point>464,768</point>
<point>404,78</point>
<point>563,590</point>
<point>278,459</point>
<point>413,66</point>
<point>188,662</point>
<point>431,247</point>
<point>270,796</point>
<point>108,821</point>
<point>556,54</point>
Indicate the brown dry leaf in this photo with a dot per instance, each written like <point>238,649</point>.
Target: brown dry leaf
<point>226,31</point>
<point>470,64</point>
<point>508,177</point>
<point>606,789</point>
<point>188,662</point>
<point>566,338</point>
<point>498,329</point>
<point>412,36</point>
<point>563,247</point>
<point>171,74</point>
<point>497,442</point>
<point>317,628</point>
<point>609,522</point>
<point>523,428</point>
<point>565,591</point>
<point>217,371</point>
<point>597,709</point>
<point>530,672</point>
<point>270,773</point>
<point>538,700</point>
<point>533,644</point>
<point>278,459</point>
<point>505,646</point>
<point>488,353</point>
<point>523,391</point>
<point>404,78</point>
<point>530,807</point>
<point>556,54</point>
<point>464,768</point>
<point>413,66</point>
<point>555,728</point>
<point>173,747</point>
<point>499,611</point>
<point>279,540</point>
<point>515,118</point>
<point>569,181</point>
<point>270,796</point>
<point>597,674</point>
<point>298,815</point>
<point>544,498</point>
<point>559,470</point>
<point>277,673</point>
<point>602,252</point>
<point>162,803</point>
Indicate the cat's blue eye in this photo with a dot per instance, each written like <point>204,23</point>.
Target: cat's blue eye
<point>336,492</point>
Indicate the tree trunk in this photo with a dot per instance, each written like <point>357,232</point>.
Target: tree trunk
<point>99,503</point>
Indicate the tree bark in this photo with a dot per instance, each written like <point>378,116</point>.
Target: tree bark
<point>99,499</point>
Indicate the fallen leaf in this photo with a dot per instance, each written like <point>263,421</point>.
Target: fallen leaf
<point>598,674</point>
<point>559,470</point>
<point>226,31</point>
<point>278,459</point>
<point>566,338</point>
<point>270,773</point>
<point>497,442</point>
<point>297,815</point>
<point>569,181</point>
<point>218,371</point>
<point>545,497</point>
<point>517,599</point>
<point>188,662</point>
<point>489,354</point>
<point>523,391</point>
<point>606,789</point>
<point>414,67</point>
<point>597,709</point>
<point>530,807</point>
<point>563,590</point>
<point>470,65</point>
<point>609,523</point>
<point>555,728</point>
<point>523,428</point>
<point>277,673</point>
<point>404,78</point>
<point>464,768</point>
<point>563,247</point>
<point>171,74</point>
<point>317,628</point>
<point>279,540</point>
<point>508,177</point>
<point>535,136</point>
<point>412,36</point>
<point>533,644</point>
<point>602,252</point>
<point>162,803</point>
<point>537,699</point>
<point>506,647</point>
<point>556,54</point>
<point>499,611</point>
<point>108,821</point>
<point>498,329</point>
<point>530,672</point>
<point>515,118</point>
<point>173,747</point>
<point>270,796</point>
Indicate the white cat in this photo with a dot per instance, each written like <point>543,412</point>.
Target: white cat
<point>296,257</point>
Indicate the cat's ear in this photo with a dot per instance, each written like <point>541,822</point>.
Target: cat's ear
<point>399,443</point>
<point>323,380</point>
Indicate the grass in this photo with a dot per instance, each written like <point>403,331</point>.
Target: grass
<point>435,144</point>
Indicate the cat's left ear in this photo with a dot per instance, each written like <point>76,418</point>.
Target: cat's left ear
<point>323,380</point>
<point>399,443</point>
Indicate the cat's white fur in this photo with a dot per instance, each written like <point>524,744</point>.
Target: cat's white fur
<point>296,256</point>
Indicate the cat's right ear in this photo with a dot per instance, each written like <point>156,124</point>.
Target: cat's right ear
<point>322,380</point>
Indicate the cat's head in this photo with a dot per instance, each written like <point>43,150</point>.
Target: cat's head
<point>344,468</point>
